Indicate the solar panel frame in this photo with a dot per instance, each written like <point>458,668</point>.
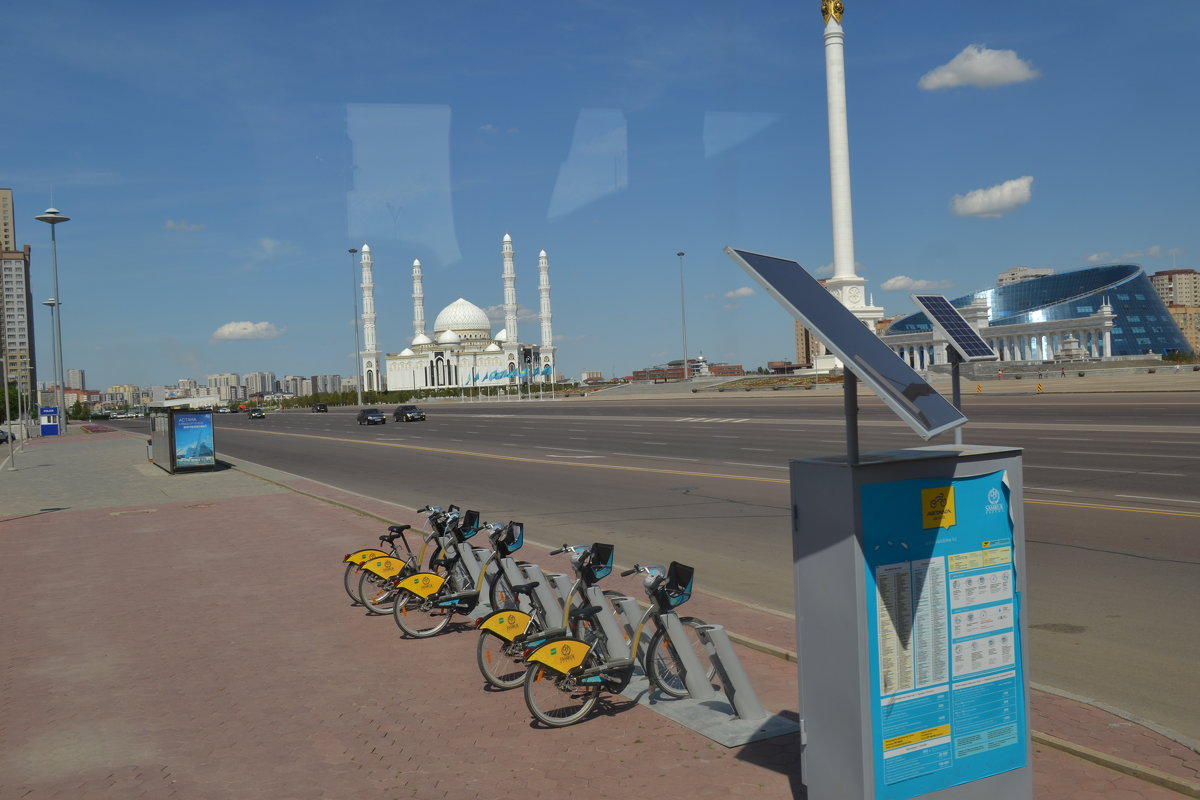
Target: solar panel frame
<point>896,383</point>
<point>950,323</point>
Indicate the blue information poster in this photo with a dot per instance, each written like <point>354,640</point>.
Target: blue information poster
<point>194,440</point>
<point>947,690</point>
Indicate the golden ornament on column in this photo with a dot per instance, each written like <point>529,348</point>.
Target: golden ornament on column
<point>832,8</point>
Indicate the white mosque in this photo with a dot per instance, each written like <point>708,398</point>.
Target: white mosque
<point>462,352</point>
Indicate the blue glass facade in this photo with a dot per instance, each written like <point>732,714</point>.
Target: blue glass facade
<point>1142,324</point>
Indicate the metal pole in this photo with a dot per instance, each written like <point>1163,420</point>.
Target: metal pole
<point>53,218</point>
<point>850,402</point>
<point>955,389</point>
<point>8,417</point>
<point>357,346</point>
<point>683,318</point>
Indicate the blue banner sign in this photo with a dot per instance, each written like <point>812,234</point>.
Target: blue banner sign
<point>194,445</point>
<point>947,689</point>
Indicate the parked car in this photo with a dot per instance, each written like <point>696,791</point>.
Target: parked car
<point>371,416</point>
<point>256,413</point>
<point>3,436</point>
<point>409,414</point>
<point>320,407</point>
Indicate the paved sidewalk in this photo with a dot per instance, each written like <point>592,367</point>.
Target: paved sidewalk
<point>188,636</point>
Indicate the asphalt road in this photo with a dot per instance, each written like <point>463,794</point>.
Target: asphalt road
<point>1112,510</point>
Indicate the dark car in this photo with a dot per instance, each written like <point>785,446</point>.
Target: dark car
<point>371,416</point>
<point>321,407</point>
<point>408,414</point>
<point>256,413</point>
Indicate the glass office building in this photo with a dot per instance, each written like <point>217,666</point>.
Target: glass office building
<point>1071,303</point>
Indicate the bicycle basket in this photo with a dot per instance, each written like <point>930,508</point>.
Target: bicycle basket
<point>469,525</point>
<point>512,536</point>
<point>599,562</point>
<point>677,588</point>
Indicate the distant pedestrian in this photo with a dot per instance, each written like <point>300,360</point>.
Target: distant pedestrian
<point>1000,374</point>
<point>1177,368</point>
<point>1062,373</point>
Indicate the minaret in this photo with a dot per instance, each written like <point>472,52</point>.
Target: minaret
<point>510,290</point>
<point>845,284</point>
<point>418,297</point>
<point>370,354</point>
<point>544,314</point>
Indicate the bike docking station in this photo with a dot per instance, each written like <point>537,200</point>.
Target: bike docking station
<point>910,581</point>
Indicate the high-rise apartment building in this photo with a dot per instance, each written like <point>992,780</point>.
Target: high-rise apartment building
<point>326,384</point>
<point>259,382</point>
<point>1018,274</point>
<point>16,319</point>
<point>225,382</point>
<point>1178,286</point>
<point>76,379</point>
<point>8,224</point>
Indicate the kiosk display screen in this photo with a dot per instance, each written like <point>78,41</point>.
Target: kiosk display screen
<point>194,445</point>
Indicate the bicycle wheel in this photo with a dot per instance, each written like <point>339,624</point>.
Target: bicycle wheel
<point>663,666</point>
<point>373,594</point>
<point>500,661</point>
<point>350,581</point>
<point>556,699</point>
<point>420,618</point>
<point>501,594</point>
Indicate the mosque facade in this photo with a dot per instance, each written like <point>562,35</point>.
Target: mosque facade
<point>462,351</point>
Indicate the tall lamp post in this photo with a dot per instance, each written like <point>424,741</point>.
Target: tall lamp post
<point>8,412</point>
<point>683,318</point>
<point>52,217</point>
<point>357,346</point>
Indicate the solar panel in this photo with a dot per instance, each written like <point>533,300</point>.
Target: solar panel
<point>901,388</point>
<point>950,323</point>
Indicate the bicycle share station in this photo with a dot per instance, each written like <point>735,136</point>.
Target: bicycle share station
<point>909,570</point>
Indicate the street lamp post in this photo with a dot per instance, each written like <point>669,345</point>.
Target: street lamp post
<point>8,414</point>
<point>683,318</point>
<point>357,346</point>
<point>53,218</point>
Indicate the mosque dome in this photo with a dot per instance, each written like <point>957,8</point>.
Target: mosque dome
<point>449,337</point>
<point>502,336</point>
<point>492,348</point>
<point>464,317</point>
<point>421,338</point>
<point>407,352</point>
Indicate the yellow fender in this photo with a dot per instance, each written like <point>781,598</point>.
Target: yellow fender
<point>423,584</point>
<point>385,567</point>
<point>363,556</point>
<point>507,624</point>
<point>561,655</point>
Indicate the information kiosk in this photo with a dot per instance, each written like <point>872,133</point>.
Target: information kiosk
<point>49,420</point>
<point>910,584</point>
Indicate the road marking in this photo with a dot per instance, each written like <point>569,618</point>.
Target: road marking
<point>564,455</point>
<point>658,471</point>
<point>668,458</point>
<point>1117,471</point>
<point>760,466</point>
<point>759,449</point>
<point>653,442</point>
<point>569,449</point>
<point>1158,499</point>
<point>1063,439</point>
<point>1040,489</point>
<point>1127,455</point>
<point>718,436</point>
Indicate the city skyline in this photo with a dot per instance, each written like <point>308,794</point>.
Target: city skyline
<point>211,209</point>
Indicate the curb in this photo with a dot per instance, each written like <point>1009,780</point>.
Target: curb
<point>1148,774</point>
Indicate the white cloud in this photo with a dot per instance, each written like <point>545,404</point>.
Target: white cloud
<point>1175,251</point>
<point>731,306</point>
<point>743,291</point>
<point>1096,258</point>
<point>905,283</point>
<point>978,66</point>
<point>825,270</point>
<point>524,314</point>
<point>181,225</point>
<point>488,128</point>
<point>1154,251</point>
<point>232,331</point>
<point>994,201</point>
<point>268,247</point>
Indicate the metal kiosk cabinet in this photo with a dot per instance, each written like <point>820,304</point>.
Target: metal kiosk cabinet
<point>182,439</point>
<point>910,580</point>
<point>49,421</point>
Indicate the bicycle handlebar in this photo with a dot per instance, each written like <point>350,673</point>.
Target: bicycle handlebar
<point>628,572</point>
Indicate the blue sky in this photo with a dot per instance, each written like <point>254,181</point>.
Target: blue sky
<point>219,160</point>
